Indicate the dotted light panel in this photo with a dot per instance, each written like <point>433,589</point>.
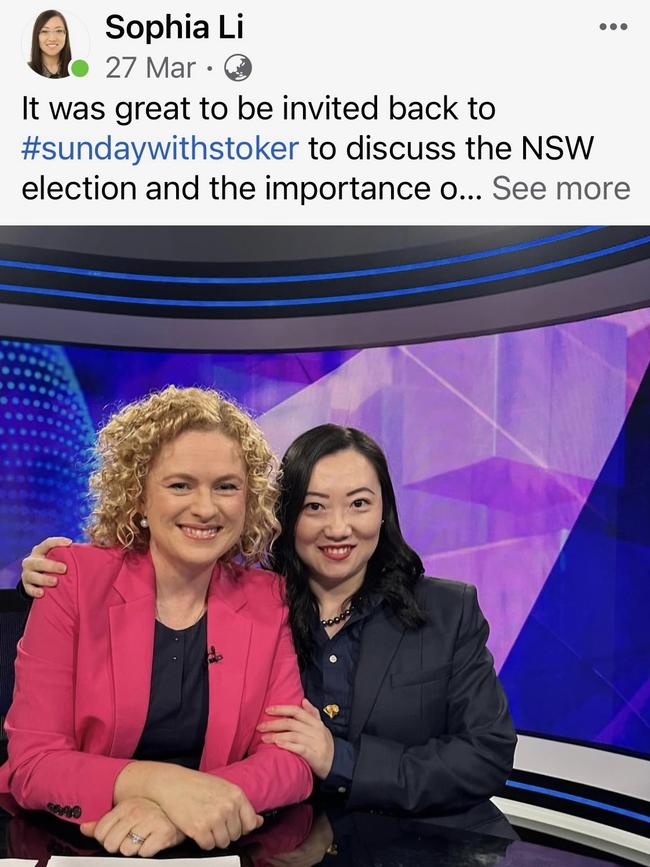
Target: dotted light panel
<point>45,432</point>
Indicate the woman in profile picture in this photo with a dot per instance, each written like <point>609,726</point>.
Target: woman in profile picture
<point>50,45</point>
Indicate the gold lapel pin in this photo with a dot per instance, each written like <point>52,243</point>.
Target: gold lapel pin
<point>332,710</point>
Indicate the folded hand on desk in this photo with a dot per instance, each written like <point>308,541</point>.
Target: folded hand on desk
<point>142,819</point>
<point>209,809</point>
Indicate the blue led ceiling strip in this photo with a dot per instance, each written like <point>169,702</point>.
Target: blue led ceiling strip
<point>301,278</point>
<point>587,801</point>
<point>301,302</point>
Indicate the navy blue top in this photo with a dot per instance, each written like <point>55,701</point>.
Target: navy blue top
<point>329,679</point>
<point>178,704</point>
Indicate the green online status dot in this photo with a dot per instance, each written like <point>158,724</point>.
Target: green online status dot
<point>79,68</point>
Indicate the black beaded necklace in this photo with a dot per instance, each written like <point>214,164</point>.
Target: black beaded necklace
<point>334,621</point>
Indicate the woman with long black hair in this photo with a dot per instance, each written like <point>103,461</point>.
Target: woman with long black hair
<point>50,52</point>
<point>405,710</point>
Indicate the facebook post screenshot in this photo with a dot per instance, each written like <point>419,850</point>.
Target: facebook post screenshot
<point>324,434</point>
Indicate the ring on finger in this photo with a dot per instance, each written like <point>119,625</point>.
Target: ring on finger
<point>136,839</point>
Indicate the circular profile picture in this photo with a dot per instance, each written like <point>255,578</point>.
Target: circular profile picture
<point>50,52</point>
<point>49,47</point>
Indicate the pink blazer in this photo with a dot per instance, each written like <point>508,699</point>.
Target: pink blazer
<point>83,676</point>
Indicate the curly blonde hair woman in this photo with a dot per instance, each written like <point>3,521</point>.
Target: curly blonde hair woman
<point>128,444</point>
<point>151,669</point>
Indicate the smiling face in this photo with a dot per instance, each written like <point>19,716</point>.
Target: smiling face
<point>52,36</point>
<point>195,502</point>
<point>338,528</point>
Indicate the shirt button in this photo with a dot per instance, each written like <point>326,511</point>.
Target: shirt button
<point>176,638</point>
<point>341,790</point>
<point>333,658</point>
<point>174,658</point>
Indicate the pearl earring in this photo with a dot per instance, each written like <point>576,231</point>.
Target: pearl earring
<point>144,522</point>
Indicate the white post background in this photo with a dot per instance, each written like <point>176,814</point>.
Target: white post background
<point>549,69</point>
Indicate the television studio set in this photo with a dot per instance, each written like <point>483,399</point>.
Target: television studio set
<point>505,373</point>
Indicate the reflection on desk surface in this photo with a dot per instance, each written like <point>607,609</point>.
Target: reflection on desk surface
<point>302,836</point>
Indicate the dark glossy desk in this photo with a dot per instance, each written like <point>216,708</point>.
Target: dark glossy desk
<point>302,836</point>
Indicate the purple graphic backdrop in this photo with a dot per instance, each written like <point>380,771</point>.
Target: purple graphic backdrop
<point>494,442</point>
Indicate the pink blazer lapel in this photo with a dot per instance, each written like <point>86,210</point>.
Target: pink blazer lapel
<point>131,645</point>
<point>131,639</point>
<point>229,633</point>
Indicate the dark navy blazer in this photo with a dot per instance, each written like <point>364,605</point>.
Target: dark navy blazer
<point>429,718</point>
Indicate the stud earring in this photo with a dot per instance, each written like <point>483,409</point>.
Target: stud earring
<point>144,522</point>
